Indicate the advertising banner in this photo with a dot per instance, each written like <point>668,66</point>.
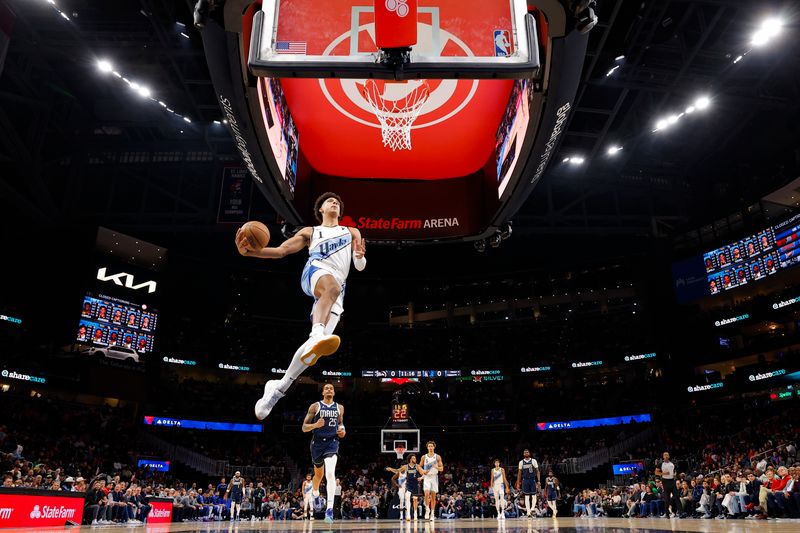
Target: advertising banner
<point>39,508</point>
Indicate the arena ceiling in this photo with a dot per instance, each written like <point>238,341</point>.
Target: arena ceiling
<point>79,148</point>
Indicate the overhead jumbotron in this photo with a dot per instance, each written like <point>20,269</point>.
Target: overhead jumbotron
<point>434,119</point>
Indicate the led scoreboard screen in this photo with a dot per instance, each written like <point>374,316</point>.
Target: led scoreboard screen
<point>753,258</point>
<point>108,321</point>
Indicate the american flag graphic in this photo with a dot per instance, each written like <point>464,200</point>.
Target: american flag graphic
<point>290,47</point>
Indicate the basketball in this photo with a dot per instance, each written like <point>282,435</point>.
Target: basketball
<point>257,234</point>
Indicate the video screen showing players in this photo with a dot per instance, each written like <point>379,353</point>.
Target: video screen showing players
<point>753,258</point>
<point>107,321</point>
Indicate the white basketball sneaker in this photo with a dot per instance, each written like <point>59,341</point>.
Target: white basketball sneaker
<point>271,396</point>
<point>319,346</point>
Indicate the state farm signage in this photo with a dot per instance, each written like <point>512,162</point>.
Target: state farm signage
<point>400,224</point>
<point>39,508</point>
<point>400,210</point>
<point>161,512</point>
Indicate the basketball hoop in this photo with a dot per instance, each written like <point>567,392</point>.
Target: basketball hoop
<point>400,450</point>
<point>396,116</point>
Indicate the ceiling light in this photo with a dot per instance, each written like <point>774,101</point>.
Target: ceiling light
<point>702,103</point>
<point>738,58</point>
<point>619,58</point>
<point>610,72</point>
<point>184,35</point>
<point>143,91</point>
<point>690,110</point>
<point>614,149</point>
<point>661,124</point>
<point>574,160</point>
<point>105,66</point>
<point>566,160</point>
<point>187,119</point>
<point>672,119</point>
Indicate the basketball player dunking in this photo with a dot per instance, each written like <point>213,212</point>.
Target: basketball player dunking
<point>308,500</point>
<point>498,482</point>
<point>528,477</point>
<point>429,470</point>
<point>330,249</point>
<point>325,420</point>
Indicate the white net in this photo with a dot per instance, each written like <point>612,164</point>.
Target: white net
<point>397,105</point>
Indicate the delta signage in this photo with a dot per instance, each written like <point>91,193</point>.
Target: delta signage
<point>155,466</point>
<point>36,508</point>
<point>201,424</point>
<point>594,422</point>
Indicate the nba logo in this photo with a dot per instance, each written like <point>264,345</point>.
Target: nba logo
<point>502,43</point>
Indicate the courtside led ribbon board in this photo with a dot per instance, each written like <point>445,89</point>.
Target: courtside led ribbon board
<point>39,508</point>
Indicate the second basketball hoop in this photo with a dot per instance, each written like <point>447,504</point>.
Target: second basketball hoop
<point>396,105</point>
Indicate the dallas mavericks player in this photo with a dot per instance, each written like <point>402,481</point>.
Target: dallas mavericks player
<point>429,470</point>
<point>412,483</point>
<point>235,489</point>
<point>325,420</point>
<point>552,492</point>
<point>330,249</point>
<point>528,477</point>
<point>307,498</point>
<point>498,482</point>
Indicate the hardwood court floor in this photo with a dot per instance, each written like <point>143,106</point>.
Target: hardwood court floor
<point>540,525</point>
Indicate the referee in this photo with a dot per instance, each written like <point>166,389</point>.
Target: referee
<point>668,480</point>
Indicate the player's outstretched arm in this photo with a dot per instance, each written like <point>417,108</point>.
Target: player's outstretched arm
<point>308,424</point>
<point>291,245</point>
<point>392,470</point>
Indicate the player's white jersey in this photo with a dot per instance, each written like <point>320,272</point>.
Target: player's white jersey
<point>331,249</point>
<point>429,466</point>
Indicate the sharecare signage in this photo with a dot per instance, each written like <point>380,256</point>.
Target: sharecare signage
<point>161,512</point>
<point>34,510</point>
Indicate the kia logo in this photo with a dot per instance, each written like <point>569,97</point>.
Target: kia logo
<point>128,280</point>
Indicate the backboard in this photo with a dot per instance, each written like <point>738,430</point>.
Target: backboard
<point>391,437</point>
<point>470,39</point>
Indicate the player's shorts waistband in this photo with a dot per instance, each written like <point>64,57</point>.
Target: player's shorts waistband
<point>324,439</point>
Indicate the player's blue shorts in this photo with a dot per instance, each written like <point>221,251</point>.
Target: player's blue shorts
<point>529,486</point>
<point>322,447</point>
<point>552,495</point>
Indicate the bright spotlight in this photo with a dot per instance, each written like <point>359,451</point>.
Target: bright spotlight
<point>612,150</point>
<point>769,28</point>
<point>702,103</point>
<point>672,119</point>
<point>661,124</point>
<point>574,160</point>
<point>105,66</point>
<point>187,119</point>
<point>566,160</point>
<point>690,110</point>
<point>143,91</point>
<point>135,86</point>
